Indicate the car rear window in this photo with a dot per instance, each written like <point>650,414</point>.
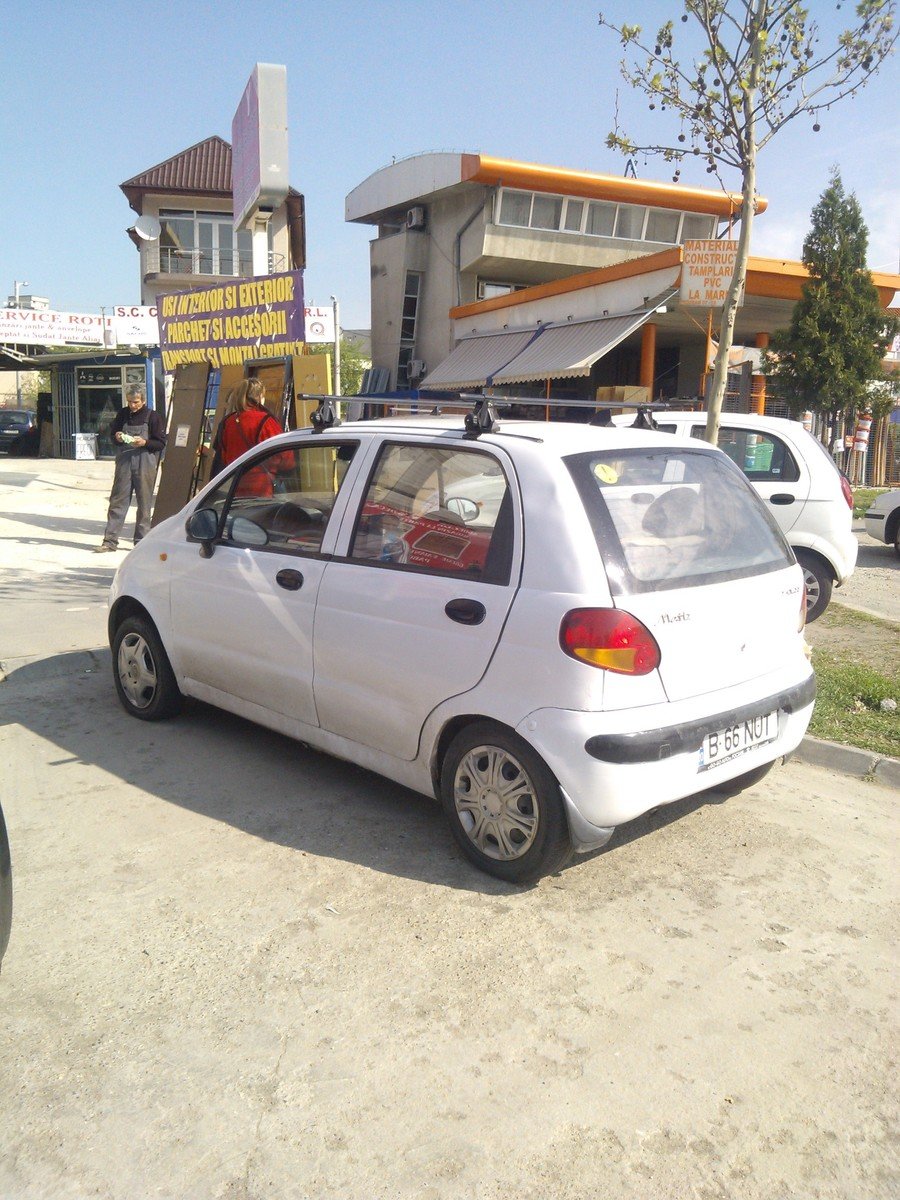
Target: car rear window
<point>667,518</point>
<point>18,420</point>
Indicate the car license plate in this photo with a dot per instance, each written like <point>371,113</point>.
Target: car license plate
<point>734,740</point>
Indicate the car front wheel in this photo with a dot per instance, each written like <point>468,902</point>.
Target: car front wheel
<point>504,805</point>
<point>144,678</point>
<point>818,582</point>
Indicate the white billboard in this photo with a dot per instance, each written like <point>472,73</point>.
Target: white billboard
<point>319,323</point>
<point>259,144</point>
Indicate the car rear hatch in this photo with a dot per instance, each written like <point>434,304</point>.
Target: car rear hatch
<point>692,553</point>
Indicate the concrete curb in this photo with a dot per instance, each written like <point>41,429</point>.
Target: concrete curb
<point>849,761</point>
<point>832,755</point>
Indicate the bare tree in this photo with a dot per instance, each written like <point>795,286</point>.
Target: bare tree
<point>760,67</point>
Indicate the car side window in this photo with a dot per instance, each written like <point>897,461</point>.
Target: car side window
<point>283,500</point>
<point>437,509</point>
<point>762,457</point>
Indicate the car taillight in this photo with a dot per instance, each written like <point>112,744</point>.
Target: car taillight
<point>847,490</point>
<point>610,639</point>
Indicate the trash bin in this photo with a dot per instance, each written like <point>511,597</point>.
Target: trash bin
<point>85,445</point>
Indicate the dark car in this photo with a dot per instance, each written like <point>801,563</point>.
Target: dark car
<point>5,889</point>
<point>18,429</point>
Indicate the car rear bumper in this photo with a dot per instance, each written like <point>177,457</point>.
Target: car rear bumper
<point>613,776</point>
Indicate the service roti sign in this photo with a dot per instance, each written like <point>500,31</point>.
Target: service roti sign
<point>706,272</point>
<point>123,325</point>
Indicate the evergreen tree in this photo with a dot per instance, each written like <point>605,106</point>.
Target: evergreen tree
<point>828,358</point>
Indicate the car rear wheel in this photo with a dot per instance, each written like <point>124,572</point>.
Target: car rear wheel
<point>504,805</point>
<point>144,678</point>
<point>817,578</point>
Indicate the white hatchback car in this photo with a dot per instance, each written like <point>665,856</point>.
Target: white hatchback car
<point>613,624</point>
<point>882,521</point>
<point>797,478</point>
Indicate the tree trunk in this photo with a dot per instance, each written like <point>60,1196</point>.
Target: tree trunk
<point>748,209</point>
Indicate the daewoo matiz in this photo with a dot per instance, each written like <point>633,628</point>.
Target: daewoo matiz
<point>551,627</point>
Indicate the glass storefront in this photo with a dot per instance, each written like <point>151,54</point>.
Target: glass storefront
<point>101,394</point>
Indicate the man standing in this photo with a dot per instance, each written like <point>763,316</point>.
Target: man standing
<point>140,437</point>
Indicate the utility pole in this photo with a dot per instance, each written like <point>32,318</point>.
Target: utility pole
<point>18,283</point>
<point>337,347</point>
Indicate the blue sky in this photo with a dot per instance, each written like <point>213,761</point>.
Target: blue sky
<point>97,92</point>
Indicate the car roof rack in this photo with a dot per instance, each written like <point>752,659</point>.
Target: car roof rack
<point>482,416</point>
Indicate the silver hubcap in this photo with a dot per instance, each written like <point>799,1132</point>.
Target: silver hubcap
<point>137,670</point>
<point>496,802</point>
<point>812,588</point>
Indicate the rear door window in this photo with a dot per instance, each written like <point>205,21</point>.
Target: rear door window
<point>436,509</point>
<point>668,518</point>
<point>761,456</point>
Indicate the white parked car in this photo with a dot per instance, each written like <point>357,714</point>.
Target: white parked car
<point>882,521</point>
<point>798,480</point>
<point>612,624</point>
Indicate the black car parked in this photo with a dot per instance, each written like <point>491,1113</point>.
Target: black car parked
<point>18,430</point>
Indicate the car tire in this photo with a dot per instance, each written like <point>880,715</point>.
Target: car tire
<point>143,675</point>
<point>517,836</point>
<point>817,578</point>
<point>897,542</point>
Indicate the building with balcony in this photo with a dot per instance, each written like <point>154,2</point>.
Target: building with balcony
<point>489,273</point>
<point>190,197</point>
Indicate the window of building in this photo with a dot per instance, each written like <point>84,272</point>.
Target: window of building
<point>204,243</point>
<point>515,208</point>
<point>411,292</point>
<point>488,289</point>
<point>599,218</point>
<point>662,225</point>
<point>574,216</point>
<point>630,221</point>
<point>695,226</point>
<point>546,212</point>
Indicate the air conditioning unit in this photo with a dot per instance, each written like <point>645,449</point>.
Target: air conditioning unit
<point>415,217</point>
<point>416,368</point>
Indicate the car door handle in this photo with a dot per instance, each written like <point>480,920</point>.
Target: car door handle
<point>466,612</point>
<point>782,498</point>
<point>289,579</point>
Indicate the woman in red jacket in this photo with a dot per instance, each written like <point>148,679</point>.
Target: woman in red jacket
<point>247,424</point>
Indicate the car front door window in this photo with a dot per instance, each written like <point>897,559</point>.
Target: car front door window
<point>283,500</point>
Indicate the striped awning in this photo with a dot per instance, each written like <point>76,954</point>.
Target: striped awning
<point>565,351</point>
<point>472,363</point>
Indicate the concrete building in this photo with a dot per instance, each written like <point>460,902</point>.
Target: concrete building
<point>525,278</point>
<point>186,202</point>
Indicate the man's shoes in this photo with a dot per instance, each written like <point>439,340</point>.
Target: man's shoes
<point>104,549</point>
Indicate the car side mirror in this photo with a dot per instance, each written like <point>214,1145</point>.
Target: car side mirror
<point>467,510</point>
<point>203,525</point>
<point>247,532</point>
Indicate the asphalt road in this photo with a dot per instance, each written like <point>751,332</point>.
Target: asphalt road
<point>241,969</point>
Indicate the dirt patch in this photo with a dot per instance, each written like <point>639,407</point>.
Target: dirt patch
<point>858,638</point>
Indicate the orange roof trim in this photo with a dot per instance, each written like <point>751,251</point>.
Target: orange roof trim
<point>774,278</point>
<point>575,283</point>
<point>479,168</point>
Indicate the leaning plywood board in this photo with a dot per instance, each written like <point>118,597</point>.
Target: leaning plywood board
<point>312,377</point>
<point>183,443</point>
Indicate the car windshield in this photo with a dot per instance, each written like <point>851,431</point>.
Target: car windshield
<point>667,518</point>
